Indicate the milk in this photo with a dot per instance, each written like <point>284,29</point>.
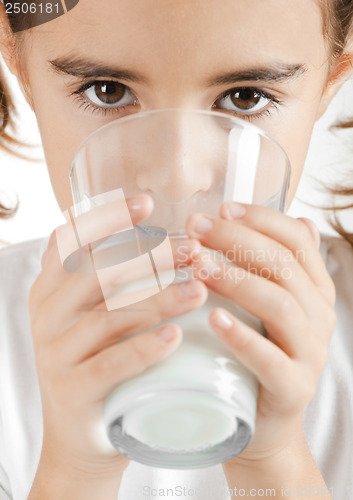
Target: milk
<point>185,411</point>
<point>195,408</point>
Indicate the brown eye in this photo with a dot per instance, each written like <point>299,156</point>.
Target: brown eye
<point>109,92</point>
<point>245,101</point>
<point>245,98</point>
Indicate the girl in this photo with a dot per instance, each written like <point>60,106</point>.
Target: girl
<point>275,63</point>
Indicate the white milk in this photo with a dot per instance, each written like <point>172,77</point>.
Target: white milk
<point>192,400</point>
<point>185,411</point>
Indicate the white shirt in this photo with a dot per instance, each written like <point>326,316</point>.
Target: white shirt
<point>328,419</point>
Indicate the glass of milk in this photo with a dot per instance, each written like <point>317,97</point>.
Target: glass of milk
<point>197,407</point>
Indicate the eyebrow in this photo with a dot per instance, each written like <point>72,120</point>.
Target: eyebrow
<point>273,73</point>
<point>85,68</point>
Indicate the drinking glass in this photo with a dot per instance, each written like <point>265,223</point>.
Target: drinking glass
<point>197,407</point>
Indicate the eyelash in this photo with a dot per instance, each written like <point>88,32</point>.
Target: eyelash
<point>275,104</point>
<point>87,106</point>
<point>78,96</point>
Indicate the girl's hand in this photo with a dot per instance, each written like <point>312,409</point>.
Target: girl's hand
<point>290,291</point>
<point>80,352</point>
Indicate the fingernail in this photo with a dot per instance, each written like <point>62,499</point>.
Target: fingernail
<point>202,224</point>
<point>235,210</point>
<point>135,203</point>
<point>167,334</point>
<point>223,320</point>
<point>189,289</point>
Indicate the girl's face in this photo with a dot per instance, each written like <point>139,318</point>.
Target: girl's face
<point>266,62</point>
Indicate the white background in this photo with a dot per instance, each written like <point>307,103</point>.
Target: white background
<point>330,154</point>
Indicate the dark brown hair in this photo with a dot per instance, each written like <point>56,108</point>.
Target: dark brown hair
<point>7,141</point>
<point>7,111</point>
<point>338,25</point>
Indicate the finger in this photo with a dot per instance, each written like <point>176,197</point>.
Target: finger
<point>100,222</point>
<point>98,329</point>
<point>275,371</point>
<point>264,359</point>
<point>260,255</point>
<point>286,323</point>
<point>291,233</point>
<point>80,293</point>
<point>127,359</point>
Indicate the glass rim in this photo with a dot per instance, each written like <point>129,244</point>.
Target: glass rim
<point>207,112</point>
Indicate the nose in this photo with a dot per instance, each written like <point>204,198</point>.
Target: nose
<point>178,160</point>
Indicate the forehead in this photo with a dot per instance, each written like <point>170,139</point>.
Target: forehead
<point>185,35</point>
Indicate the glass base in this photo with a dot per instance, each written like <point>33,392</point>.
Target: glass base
<point>179,430</point>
